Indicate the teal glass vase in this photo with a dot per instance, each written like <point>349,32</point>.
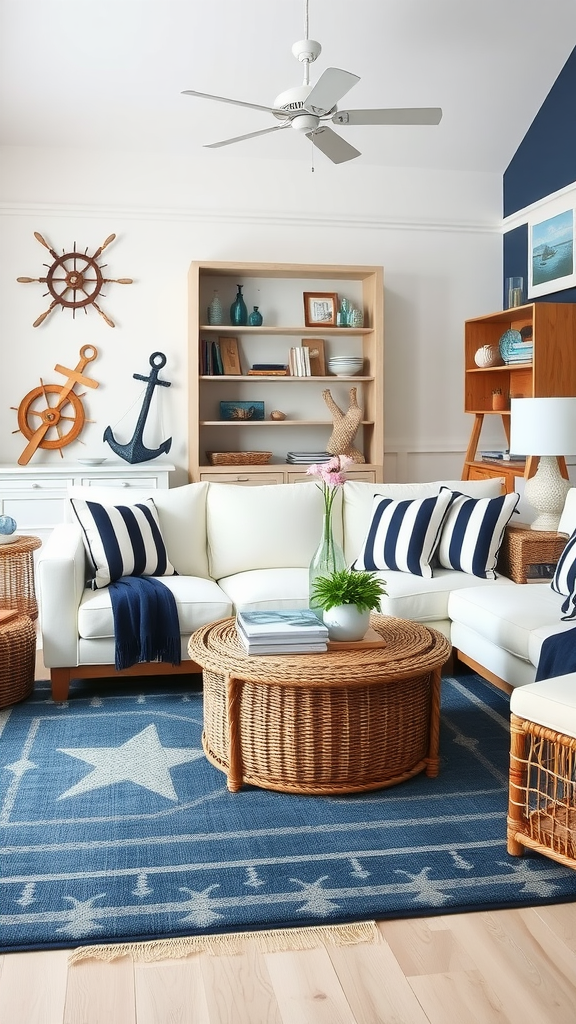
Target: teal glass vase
<point>238,310</point>
<point>255,318</point>
<point>328,558</point>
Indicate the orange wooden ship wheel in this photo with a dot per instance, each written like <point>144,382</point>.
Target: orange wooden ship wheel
<point>74,280</point>
<point>49,423</point>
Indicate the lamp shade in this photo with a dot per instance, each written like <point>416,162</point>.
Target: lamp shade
<point>543,426</point>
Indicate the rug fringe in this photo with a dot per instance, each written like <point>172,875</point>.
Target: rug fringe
<point>271,941</point>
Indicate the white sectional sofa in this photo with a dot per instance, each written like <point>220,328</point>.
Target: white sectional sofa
<point>250,547</point>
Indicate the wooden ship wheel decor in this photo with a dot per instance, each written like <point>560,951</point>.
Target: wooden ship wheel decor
<point>74,280</point>
<point>52,415</point>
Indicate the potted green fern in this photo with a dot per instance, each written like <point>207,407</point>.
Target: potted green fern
<point>346,599</point>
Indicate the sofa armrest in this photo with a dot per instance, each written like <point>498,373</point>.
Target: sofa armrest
<point>61,575</point>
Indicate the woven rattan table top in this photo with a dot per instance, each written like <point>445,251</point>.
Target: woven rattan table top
<point>20,546</point>
<point>409,647</point>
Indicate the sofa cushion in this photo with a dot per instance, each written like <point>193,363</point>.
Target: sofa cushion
<point>261,589</point>
<point>551,703</point>
<point>402,535</point>
<point>358,497</point>
<point>198,601</point>
<point>182,517</point>
<point>564,580</point>
<point>472,532</point>
<point>421,599</point>
<point>265,527</point>
<point>515,617</point>
<point>122,540</point>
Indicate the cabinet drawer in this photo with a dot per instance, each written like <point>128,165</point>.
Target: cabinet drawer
<point>368,475</point>
<point>35,488</point>
<point>243,478</point>
<point>141,482</point>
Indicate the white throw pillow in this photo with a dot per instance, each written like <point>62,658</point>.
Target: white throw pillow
<point>122,540</point>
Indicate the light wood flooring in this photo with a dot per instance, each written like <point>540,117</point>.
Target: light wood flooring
<point>499,967</point>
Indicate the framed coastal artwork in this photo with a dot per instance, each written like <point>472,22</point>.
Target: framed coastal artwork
<point>551,248</point>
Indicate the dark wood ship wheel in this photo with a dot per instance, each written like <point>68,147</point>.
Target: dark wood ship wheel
<point>74,280</point>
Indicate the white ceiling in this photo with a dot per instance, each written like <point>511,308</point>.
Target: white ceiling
<point>108,74</point>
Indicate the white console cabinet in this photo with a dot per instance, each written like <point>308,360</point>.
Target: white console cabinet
<point>35,495</point>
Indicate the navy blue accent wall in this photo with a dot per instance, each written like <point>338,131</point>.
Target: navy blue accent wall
<point>544,162</point>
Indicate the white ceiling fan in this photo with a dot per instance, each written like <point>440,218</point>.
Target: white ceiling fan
<point>307,108</point>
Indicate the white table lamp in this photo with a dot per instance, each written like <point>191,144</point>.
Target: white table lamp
<point>545,427</point>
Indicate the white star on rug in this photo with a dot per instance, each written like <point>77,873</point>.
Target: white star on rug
<point>141,760</point>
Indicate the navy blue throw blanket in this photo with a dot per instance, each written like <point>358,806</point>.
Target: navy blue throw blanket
<point>146,625</point>
<point>557,655</point>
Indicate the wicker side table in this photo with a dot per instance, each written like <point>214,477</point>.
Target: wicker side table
<point>340,722</point>
<point>17,575</point>
<point>523,547</point>
<point>17,658</point>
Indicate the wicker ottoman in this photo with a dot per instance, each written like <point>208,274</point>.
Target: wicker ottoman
<point>542,795</point>
<point>17,658</point>
<point>341,722</point>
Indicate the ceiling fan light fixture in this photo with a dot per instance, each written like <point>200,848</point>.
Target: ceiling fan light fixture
<point>305,122</point>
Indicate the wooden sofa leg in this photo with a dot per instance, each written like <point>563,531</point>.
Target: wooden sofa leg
<point>60,681</point>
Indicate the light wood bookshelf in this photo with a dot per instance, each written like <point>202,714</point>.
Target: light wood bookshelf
<point>277,289</point>
<point>550,373</point>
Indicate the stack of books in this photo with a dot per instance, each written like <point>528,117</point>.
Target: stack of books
<point>307,458</point>
<point>501,456</point>
<point>286,631</point>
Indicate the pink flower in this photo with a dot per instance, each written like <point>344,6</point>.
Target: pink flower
<point>332,475</point>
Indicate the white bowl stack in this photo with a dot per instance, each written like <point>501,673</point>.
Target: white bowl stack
<point>345,366</point>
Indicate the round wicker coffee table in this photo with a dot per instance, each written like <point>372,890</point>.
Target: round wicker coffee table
<point>340,722</point>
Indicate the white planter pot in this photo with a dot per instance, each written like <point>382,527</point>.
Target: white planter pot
<point>345,622</point>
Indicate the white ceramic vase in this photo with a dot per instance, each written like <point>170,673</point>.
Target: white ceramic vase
<point>346,622</point>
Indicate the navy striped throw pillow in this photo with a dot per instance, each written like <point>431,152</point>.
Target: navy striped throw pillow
<point>564,581</point>
<point>122,540</point>
<point>403,534</point>
<point>473,531</point>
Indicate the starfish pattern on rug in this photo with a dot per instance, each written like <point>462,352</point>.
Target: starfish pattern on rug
<point>142,760</point>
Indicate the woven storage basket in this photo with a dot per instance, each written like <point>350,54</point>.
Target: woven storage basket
<point>542,810</point>
<point>17,575</point>
<point>521,548</point>
<point>239,458</point>
<point>17,659</point>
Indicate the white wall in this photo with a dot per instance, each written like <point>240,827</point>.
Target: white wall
<point>437,235</point>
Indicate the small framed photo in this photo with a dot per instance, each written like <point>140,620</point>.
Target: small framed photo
<point>239,411</point>
<point>320,309</point>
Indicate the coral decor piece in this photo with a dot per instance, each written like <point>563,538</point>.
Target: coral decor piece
<point>74,280</point>
<point>345,427</point>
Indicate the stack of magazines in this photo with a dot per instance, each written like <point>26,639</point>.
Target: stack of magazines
<point>307,458</point>
<point>286,631</point>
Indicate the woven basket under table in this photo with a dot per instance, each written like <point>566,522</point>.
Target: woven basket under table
<point>338,722</point>
<point>542,799</point>
<point>17,659</point>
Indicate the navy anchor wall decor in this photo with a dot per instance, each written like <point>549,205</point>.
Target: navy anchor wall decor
<point>135,450</point>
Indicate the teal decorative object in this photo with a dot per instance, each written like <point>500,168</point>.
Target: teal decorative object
<point>238,310</point>
<point>215,310</point>
<point>255,318</point>
<point>343,313</point>
<point>7,525</point>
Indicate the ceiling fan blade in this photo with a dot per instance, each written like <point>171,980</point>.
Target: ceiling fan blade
<point>330,87</point>
<point>236,103</point>
<point>394,115</point>
<point>251,135</point>
<point>332,145</point>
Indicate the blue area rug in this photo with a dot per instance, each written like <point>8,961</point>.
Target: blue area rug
<point>114,827</point>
